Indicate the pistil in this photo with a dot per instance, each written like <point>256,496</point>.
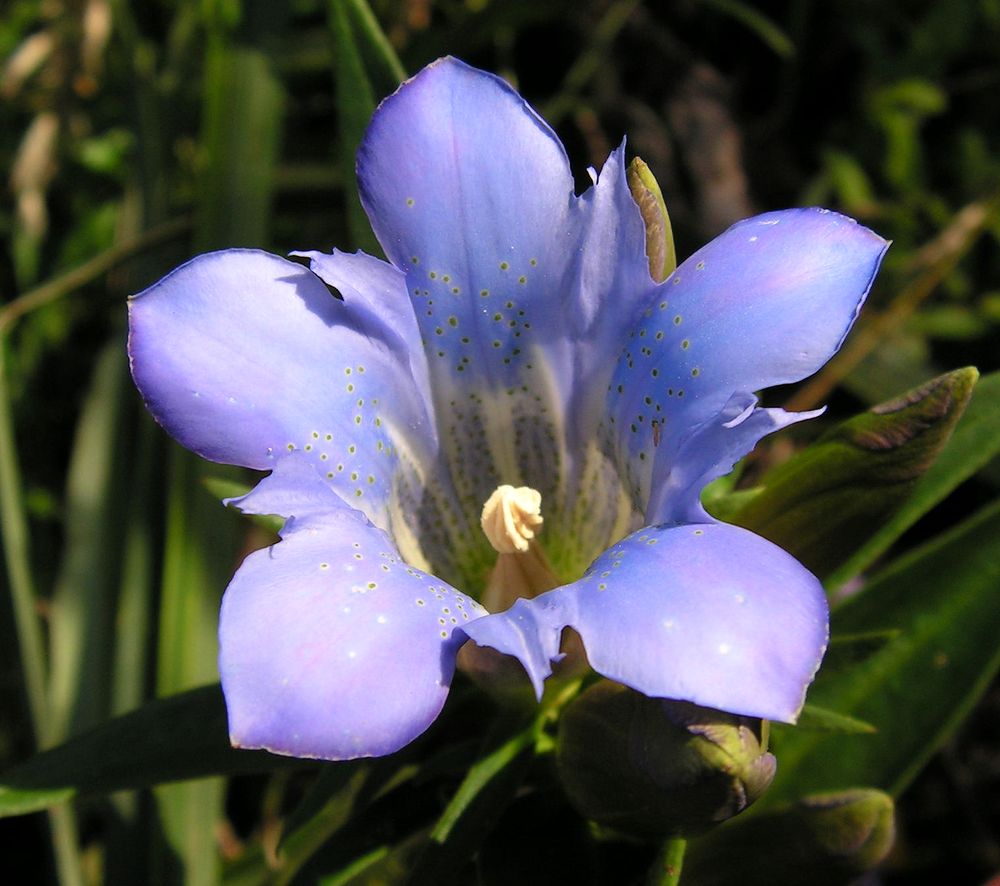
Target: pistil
<point>511,519</point>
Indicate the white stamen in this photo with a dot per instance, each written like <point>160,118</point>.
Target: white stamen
<point>511,517</point>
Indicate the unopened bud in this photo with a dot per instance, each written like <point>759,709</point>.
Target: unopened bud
<point>822,839</point>
<point>659,236</point>
<point>653,767</point>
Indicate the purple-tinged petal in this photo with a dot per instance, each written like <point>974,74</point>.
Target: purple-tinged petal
<point>522,290</point>
<point>378,290</point>
<point>330,645</point>
<point>245,357</point>
<point>768,302</point>
<point>711,614</point>
<point>710,451</point>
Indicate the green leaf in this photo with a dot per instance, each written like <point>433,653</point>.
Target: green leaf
<point>365,68</point>
<point>759,24</point>
<point>975,442</point>
<point>825,503</point>
<point>944,600</point>
<point>243,111</point>
<point>200,548</point>
<point>816,719</point>
<point>171,739</point>
<point>82,630</point>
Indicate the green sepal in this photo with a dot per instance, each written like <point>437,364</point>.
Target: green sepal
<point>651,768</point>
<point>823,504</point>
<point>659,235</point>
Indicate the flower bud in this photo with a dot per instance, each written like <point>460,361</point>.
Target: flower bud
<point>822,839</point>
<point>659,236</point>
<point>653,767</point>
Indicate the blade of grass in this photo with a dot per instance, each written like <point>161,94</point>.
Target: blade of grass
<point>14,525</point>
<point>199,550</point>
<point>83,602</point>
<point>355,103</point>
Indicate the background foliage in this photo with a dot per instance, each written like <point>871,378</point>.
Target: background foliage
<point>135,134</point>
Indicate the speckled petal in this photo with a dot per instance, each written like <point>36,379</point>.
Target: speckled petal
<point>331,646</point>
<point>245,357</point>
<point>523,291</point>
<point>766,303</point>
<point>711,614</point>
<point>710,451</point>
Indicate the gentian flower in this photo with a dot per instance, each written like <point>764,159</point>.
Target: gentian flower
<point>513,351</point>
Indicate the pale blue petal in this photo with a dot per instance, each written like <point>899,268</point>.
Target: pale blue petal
<point>766,303</point>
<point>710,451</point>
<point>245,357</point>
<point>522,290</point>
<point>378,290</point>
<point>711,614</point>
<point>330,645</point>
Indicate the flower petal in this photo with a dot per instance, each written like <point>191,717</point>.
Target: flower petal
<point>711,614</point>
<point>768,302</point>
<point>331,646</point>
<point>522,290</point>
<point>710,451</point>
<point>244,357</point>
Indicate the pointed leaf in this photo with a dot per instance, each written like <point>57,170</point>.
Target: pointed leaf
<point>975,442</point>
<point>243,110</point>
<point>366,69</point>
<point>822,505</point>
<point>171,739</point>
<point>816,719</point>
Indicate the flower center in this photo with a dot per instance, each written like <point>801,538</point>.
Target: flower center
<point>511,518</point>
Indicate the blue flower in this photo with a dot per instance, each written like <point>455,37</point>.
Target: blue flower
<point>513,351</point>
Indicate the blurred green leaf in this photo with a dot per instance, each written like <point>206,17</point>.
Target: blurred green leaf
<point>822,505</point>
<point>944,599</point>
<point>365,68</point>
<point>224,488</point>
<point>756,22</point>
<point>82,629</point>
<point>816,719</point>
<point>954,322</point>
<point>243,111</point>
<point>199,553</point>
<point>171,739</point>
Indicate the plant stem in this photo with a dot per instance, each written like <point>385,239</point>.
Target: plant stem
<point>666,870</point>
<point>89,271</point>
